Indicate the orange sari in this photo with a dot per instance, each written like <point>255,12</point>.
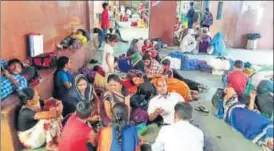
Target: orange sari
<point>178,86</point>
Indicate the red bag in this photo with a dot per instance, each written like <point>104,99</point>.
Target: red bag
<point>134,23</point>
<point>45,60</point>
<point>125,18</point>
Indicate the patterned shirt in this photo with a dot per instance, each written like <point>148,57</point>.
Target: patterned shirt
<point>8,88</point>
<point>154,68</point>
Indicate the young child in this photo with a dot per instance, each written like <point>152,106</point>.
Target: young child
<point>237,79</point>
<point>148,47</point>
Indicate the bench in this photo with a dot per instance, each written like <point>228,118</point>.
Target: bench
<point>9,138</point>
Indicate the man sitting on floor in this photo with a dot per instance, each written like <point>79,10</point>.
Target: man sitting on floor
<point>189,44</point>
<point>11,80</point>
<point>152,66</point>
<point>163,104</point>
<point>181,135</point>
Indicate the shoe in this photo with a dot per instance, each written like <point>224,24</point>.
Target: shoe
<point>93,61</point>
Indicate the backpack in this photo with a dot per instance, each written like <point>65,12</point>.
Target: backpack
<point>264,102</point>
<point>45,60</point>
<point>147,89</point>
<point>208,19</point>
<point>218,95</point>
<point>139,101</point>
<point>31,74</point>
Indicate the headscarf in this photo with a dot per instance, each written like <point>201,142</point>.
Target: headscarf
<point>74,96</point>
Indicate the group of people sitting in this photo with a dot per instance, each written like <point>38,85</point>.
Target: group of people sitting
<point>199,40</point>
<point>243,107</point>
<point>106,112</point>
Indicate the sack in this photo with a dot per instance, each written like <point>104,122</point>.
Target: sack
<point>147,89</point>
<point>46,60</point>
<point>89,73</point>
<point>218,95</point>
<point>124,65</point>
<point>139,101</point>
<point>264,102</point>
<point>35,44</point>
<point>31,74</point>
<point>176,60</point>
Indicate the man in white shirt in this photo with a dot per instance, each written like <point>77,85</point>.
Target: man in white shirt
<point>180,136</point>
<point>163,104</point>
<point>189,44</point>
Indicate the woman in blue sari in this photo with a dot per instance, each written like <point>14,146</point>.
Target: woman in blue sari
<point>120,136</point>
<point>252,125</point>
<point>218,45</point>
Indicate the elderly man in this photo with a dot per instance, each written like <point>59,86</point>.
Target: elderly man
<point>189,44</point>
<point>11,80</point>
<point>181,135</point>
<point>163,104</point>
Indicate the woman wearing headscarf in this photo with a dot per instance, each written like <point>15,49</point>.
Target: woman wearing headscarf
<point>81,90</point>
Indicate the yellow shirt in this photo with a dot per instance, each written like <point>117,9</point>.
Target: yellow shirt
<point>82,38</point>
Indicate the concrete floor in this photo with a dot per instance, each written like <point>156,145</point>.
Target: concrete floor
<point>219,136</point>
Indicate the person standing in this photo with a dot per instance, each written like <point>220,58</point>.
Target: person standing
<point>207,19</point>
<point>190,15</point>
<point>105,19</point>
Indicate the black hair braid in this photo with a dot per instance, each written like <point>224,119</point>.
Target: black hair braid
<point>119,124</point>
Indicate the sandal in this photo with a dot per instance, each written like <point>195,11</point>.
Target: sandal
<point>202,88</point>
<point>202,109</point>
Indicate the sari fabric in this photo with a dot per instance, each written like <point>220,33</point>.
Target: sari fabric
<point>74,96</point>
<point>108,140</point>
<point>252,125</point>
<point>180,87</point>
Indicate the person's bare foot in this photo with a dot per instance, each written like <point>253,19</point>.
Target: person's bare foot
<point>59,46</point>
<point>51,147</point>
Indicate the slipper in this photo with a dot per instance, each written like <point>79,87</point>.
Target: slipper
<point>93,61</point>
<point>202,109</point>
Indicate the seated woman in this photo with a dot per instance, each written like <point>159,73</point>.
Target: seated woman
<point>77,133</point>
<point>35,126</point>
<point>218,45</point>
<point>135,56</point>
<point>204,46</point>
<point>62,77</point>
<point>120,135</point>
<point>133,79</point>
<point>115,94</point>
<point>77,39</point>
<point>149,48</point>
<point>81,90</point>
<point>252,125</point>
